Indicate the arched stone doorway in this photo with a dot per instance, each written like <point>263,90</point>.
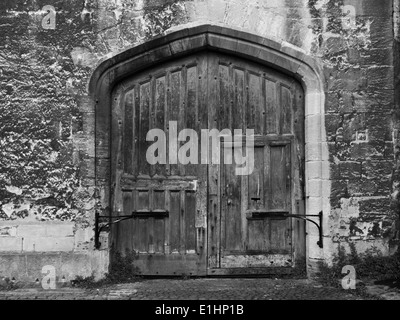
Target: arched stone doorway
<point>202,219</point>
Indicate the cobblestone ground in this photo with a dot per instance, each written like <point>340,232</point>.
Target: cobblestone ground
<point>192,289</point>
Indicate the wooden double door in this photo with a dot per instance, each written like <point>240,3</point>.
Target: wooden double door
<point>202,217</point>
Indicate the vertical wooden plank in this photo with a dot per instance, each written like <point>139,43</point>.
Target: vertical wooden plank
<point>288,175</point>
<point>190,209</point>
<point>128,132</point>
<point>202,191</point>
<point>278,229</point>
<point>267,179</point>
<point>160,93</point>
<point>213,169</point>
<point>232,224</point>
<point>182,222</point>
<point>136,130</point>
<point>256,197</point>
<point>239,99</point>
<point>286,110</point>
<point>258,235</point>
<point>144,167</point>
<point>159,203</point>
<point>182,114</point>
<point>191,110</point>
<point>126,227</point>
<point>174,221</point>
<point>278,178</point>
<point>224,96</point>
<point>143,204</point>
<point>152,118</point>
<point>150,224</point>
<point>167,224</point>
<point>271,107</point>
<point>136,222</point>
<point>167,118</point>
<point>191,100</point>
<point>290,200</point>
<point>173,110</point>
<point>255,110</point>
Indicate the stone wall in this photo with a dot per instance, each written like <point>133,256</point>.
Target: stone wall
<point>47,189</point>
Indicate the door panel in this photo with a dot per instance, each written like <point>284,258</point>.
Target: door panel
<point>246,231</point>
<point>203,218</point>
<point>168,231</point>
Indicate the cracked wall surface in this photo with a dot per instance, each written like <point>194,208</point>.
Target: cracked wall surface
<point>47,119</point>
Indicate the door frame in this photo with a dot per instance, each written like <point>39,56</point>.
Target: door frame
<point>278,55</point>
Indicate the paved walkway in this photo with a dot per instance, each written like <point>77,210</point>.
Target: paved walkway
<point>192,289</point>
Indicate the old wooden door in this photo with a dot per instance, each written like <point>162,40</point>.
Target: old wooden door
<point>247,233</point>
<point>198,218</point>
<point>169,201</point>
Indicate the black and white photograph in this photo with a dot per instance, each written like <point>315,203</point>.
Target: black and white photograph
<point>206,157</point>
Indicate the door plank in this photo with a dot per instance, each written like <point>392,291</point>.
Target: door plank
<point>174,113</point>
<point>128,131</point>
<point>271,106</point>
<point>286,110</point>
<point>213,171</point>
<point>190,232</point>
<point>174,219</point>
<point>144,167</point>
<point>239,99</point>
<point>160,105</point>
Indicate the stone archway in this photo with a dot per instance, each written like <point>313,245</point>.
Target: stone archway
<point>267,52</point>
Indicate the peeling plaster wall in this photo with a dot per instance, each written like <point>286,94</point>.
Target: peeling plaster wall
<point>47,120</point>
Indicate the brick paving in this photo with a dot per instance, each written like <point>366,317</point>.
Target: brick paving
<point>191,289</point>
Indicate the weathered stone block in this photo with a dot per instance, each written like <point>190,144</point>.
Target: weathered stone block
<point>338,191</point>
<point>334,171</point>
<point>31,230</point>
<point>368,187</point>
<point>352,123</point>
<point>379,169</point>
<point>382,32</point>
<point>46,244</point>
<point>12,265</point>
<point>332,101</point>
<point>389,150</point>
<point>351,80</point>
<point>10,244</point>
<point>85,103</point>
<point>332,123</point>
<point>380,77</point>
<point>350,170</point>
<point>372,8</point>
<point>77,264</point>
<point>60,230</point>
<point>379,56</point>
<point>8,231</point>
<point>375,205</point>
<point>360,151</point>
